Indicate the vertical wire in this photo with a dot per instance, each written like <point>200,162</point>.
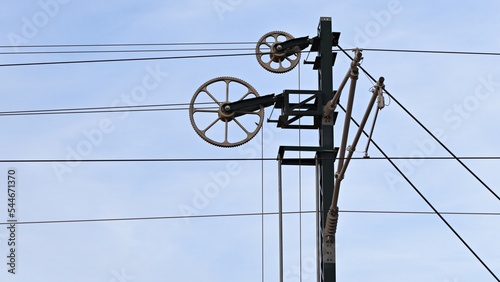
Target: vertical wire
<point>280,218</point>
<point>300,191</point>
<point>262,200</point>
<point>318,234</point>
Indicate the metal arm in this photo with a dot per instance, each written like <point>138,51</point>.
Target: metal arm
<point>332,218</point>
<point>353,74</point>
<point>332,104</point>
<point>245,106</point>
<point>380,106</point>
<point>293,46</point>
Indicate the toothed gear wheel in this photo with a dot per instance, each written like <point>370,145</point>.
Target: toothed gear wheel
<point>211,122</point>
<point>272,59</point>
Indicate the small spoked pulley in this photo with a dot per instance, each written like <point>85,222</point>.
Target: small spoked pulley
<point>213,119</point>
<point>271,55</point>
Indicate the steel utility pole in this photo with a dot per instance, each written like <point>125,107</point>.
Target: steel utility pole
<point>328,154</point>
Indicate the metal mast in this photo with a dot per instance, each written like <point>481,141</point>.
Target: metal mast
<point>327,157</point>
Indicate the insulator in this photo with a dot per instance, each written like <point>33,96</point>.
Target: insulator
<point>331,223</point>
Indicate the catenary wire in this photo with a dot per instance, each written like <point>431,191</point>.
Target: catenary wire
<point>420,212</point>
<point>218,55</point>
<point>123,51</point>
<point>425,200</point>
<point>126,44</point>
<point>429,132</point>
<point>392,50</point>
<point>387,212</point>
<point>221,159</point>
<point>99,108</point>
<point>205,56</point>
<point>127,59</point>
<point>107,109</point>
<point>444,52</point>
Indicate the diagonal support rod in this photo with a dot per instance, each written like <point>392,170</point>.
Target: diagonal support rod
<point>332,217</point>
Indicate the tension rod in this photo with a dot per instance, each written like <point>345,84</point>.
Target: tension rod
<point>380,106</point>
<point>330,105</point>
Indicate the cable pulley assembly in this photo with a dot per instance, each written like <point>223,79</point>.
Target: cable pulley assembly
<point>216,120</point>
<point>228,111</point>
<point>277,52</point>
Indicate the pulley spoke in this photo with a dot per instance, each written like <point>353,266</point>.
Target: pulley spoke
<point>246,94</point>
<point>210,126</point>
<point>211,96</point>
<point>242,127</point>
<point>227,90</point>
<point>204,111</point>
<point>226,133</point>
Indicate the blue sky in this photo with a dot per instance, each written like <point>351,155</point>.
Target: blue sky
<point>456,96</point>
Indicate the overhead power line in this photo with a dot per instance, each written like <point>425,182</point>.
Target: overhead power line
<point>449,52</point>
<point>126,44</point>
<point>221,49</point>
<point>419,212</point>
<point>179,50</point>
<point>387,212</point>
<point>123,51</point>
<point>126,59</point>
<point>237,49</point>
<point>132,160</point>
<point>108,109</point>
<point>432,51</point>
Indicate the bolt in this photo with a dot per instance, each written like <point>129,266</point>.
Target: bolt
<point>279,47</point>
<point>227,108</point>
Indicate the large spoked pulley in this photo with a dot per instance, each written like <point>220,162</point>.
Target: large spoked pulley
<point>270,55</point>
<point>212,117</point>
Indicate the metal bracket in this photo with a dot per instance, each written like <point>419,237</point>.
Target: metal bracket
<point>329,252</point>
<point>315,41</point>
<point>242,107</point>
<point>329,119</point>
<point>293,46</point>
